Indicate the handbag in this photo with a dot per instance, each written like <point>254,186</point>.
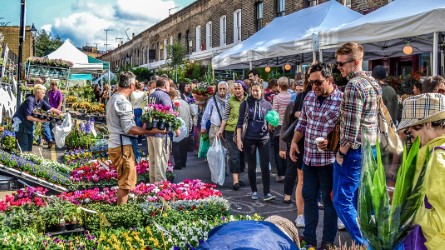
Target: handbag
<point>244,127</point>
<point>289,134</point>
<point>334,137</point>
<point>388,138</point>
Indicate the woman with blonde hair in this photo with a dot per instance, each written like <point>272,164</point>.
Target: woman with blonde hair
<point>23,121</point>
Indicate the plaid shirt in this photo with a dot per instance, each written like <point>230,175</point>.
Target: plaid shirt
<point>359,110</point>
<point>317,120</point>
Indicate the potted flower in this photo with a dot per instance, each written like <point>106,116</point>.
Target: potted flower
<point>72,215</point>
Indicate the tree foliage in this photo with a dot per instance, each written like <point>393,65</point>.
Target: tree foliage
<point>45,43</point>
<point>177,53</point>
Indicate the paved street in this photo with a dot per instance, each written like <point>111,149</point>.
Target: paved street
<point>240,200</point>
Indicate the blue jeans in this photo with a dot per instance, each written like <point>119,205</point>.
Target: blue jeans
<point>46,131</point>
<point>345,195</point>
<point>318,179</point>
<point>137,117</point>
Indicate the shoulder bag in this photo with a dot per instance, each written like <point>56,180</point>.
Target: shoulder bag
<point>289,134</point>
<point>388,138</point>
<point>244,127</point>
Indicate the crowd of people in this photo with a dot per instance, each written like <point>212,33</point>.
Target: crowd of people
<point>310,106</point>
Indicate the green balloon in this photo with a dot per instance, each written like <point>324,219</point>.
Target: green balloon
<point>273,118</point>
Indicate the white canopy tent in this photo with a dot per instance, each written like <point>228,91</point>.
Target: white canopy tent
<point>385,31</point>
<point>81,65</point>
<point>285,37</point>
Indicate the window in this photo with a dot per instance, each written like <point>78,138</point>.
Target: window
<point>198,38</point>
<point>170,48</point>
<point>259,15</point>
<point>347,3</point>
<point>165,49</point>
<point>281,7</point>
<point>313,2</point>
<point>209,35</point>
<point>237,26</point>
<point>187,38</point>
<point>222,31</point>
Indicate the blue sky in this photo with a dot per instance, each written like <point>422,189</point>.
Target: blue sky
<point>84,21</point>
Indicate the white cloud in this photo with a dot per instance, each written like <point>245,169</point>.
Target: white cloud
<point>89,20</point>
<point>47,27</point>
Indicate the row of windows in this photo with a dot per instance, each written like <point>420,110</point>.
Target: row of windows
<point>162,52</point>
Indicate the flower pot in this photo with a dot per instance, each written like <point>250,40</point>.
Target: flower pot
<point>53,120</point>
<point>161,125</point>
<point>149,125</point>
<point>59,122</point>
<point>72,226</point>
<point>154,123</point>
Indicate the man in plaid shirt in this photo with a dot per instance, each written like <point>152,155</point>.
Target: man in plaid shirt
<point>358,113</point>
<point>317,119</point>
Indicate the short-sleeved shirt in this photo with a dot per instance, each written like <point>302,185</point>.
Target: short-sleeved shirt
<point>120,119</point>
<point>26,108</point>
<point>55,97</point>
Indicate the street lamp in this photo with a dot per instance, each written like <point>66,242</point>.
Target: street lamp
<point>34,35</point>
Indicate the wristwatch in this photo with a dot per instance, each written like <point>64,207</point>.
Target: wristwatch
<point>340,154</point>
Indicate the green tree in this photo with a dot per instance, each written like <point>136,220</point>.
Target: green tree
<point>45,43</point>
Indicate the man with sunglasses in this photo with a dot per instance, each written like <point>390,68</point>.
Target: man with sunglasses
<point>318,117</point>
<point>358,112</point>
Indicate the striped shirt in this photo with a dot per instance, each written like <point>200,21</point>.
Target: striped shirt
<point>317,120</point>
<point>280,103</point>
<point>359,110</point>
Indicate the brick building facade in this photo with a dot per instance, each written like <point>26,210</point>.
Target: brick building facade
<point>208,27</point>
<point>11,34</point>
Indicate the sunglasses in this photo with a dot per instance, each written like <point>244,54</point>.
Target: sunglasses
<point>417,127</point>
<point>316,82</point>
<point>341,64</point>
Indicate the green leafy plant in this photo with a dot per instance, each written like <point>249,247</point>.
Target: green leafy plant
<point>382,222</point>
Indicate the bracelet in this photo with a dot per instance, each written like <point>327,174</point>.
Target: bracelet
<point>341,154</point>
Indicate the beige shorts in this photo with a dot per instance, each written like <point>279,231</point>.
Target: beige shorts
<point>126,166</point>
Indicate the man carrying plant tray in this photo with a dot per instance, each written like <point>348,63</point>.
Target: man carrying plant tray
<point>123,134</point>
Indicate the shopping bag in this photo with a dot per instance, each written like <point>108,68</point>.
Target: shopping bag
<point>204,145</point>
<point>184,131</point>
<point>61,131</point>
<point>216,158</point>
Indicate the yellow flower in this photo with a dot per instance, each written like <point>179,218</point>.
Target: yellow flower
<point>311,248</point>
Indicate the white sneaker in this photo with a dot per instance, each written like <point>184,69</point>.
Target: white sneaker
<point>300,221</point>
<point>340,225</point>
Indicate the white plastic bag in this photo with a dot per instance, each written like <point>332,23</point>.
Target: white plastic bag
<point>216,157</point>
<point>61,131</point>
<point>183,129</point>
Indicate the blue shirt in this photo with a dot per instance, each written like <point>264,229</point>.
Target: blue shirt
<point>26,108</point>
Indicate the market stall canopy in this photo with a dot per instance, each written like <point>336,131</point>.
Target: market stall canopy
<point>385,31</point>
<point>83,64</point>
<point>285,36</point>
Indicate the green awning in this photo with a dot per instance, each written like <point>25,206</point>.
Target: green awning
<point>106,65</point>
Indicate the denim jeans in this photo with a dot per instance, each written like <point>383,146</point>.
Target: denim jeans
<point>318,179</point>
<point>250,150</point>
<point>279,162</point>
<point>345,195</point>
<point>137,117</point>
<point>46,131</point>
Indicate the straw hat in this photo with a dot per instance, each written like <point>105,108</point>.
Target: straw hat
<point>423,108</point>
<point>285,226</point>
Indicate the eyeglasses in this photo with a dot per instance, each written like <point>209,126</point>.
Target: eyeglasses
<point>416,127</point>
<point>316,82</point>
<point>341,64</point>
